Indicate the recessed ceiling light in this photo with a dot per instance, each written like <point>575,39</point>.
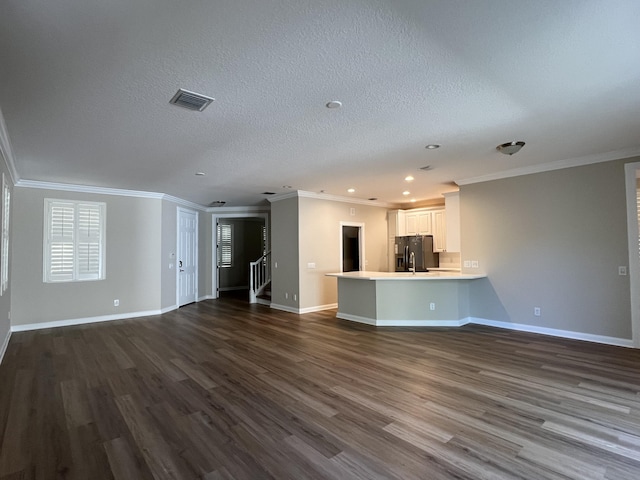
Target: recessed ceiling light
<point>408,178</point>
<point>200,174</point>
<point>351,190</point>
<point>406,192</point>
<point>334,104</point>
<point>413,200</point>
<point>432,146</point>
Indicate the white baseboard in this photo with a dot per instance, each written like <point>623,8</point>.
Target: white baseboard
<point>356,318</point>
<point>285,308</point>
<point>5,344</point>
<point>402,323</point>
<point>206,297</point>
<point>588,337</point>
<point>82,321</point>
<point>319,308</point>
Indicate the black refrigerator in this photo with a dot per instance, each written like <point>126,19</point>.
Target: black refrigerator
<point>422,248</point>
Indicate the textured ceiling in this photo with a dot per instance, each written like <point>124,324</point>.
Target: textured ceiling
<point>85,88</point>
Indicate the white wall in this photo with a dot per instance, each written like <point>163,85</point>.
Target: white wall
<point>552,240</point>
<point>133,270</point>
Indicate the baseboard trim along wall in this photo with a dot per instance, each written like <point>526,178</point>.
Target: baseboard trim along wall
<point>82,321</point>
<point>4,346</point>
<point>588,337</point>
<point>285,308</point>
<point>620,342</point>
<point>302,311</point>
<point>402,323</point>
<point>319,308</point>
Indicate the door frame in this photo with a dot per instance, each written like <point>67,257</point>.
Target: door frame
<point>178,243</point>
<point>631,173</point>
<point>215,293</point>
<point>361,249</point>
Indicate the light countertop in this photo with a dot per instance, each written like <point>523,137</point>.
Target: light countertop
<point>431,275</point>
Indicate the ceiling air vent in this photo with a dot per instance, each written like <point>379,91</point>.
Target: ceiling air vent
<point>191,100</point>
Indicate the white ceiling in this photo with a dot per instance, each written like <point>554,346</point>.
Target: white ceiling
<point>85,88</point>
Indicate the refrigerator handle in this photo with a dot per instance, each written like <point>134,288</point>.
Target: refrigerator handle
<point>406,257</point>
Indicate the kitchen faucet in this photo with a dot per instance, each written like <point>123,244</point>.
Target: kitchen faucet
<point>412,263</point>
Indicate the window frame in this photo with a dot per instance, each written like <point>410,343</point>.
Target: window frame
<point>5,235</point>
<point>221,244</point>
<point>77,239</point>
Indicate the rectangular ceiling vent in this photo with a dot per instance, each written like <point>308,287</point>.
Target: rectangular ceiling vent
<point>191,100</point>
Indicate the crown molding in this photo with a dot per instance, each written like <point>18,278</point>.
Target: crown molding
<point>68,187</point>
<point>7,152</point>
<point>558,165</point>
<point>328,197</point>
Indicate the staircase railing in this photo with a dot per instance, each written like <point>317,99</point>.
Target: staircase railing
<point>259,276</point>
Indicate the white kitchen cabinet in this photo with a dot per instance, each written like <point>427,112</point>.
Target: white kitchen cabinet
<point>419,222</point>
<point>397,223</point>
<point>439,231</point>
<point>452,208</point>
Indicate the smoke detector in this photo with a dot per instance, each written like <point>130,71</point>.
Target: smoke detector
<point>191,100</point>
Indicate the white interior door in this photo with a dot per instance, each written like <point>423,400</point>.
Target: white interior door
<point>187,271</point>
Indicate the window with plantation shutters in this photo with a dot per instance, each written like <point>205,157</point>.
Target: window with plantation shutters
<point>4,245</point>
<point>74,241</point>
<point>225,244</point>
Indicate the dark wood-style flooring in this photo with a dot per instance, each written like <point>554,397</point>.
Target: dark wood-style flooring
<point>222,390</point>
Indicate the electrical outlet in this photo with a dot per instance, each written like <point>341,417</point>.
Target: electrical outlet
<point>286,294</point>
<point>116,303</point>
<point>474,263</point>
<point>311,265</point>
<point>536,311</point>
<point>295,297</point>
<point>432,306</point>
<point>467,264</point>
<point>622,270</point>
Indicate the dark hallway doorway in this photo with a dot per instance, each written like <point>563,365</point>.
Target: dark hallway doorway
<point>350,248</point>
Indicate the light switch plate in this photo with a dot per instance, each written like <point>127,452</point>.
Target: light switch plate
<point>622,270</point>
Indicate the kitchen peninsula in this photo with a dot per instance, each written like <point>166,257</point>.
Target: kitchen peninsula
<point>435,298</point>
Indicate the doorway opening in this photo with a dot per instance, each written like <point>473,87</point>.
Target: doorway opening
<point>351,247</point>
<point>238,240</point>
<point>632,177</point>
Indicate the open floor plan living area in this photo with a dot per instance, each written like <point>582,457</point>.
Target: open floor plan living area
<point>320,239</point>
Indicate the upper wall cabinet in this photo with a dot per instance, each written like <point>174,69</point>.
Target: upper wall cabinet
<point>439,231</point>
<point>397,223</point>
<point>419,222</point>
<point>452,208</point>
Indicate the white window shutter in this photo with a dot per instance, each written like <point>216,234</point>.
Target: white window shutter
<point>74,241</point>
<point>89,242</point>
<point>225,243</point>
<point>61,242</point>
